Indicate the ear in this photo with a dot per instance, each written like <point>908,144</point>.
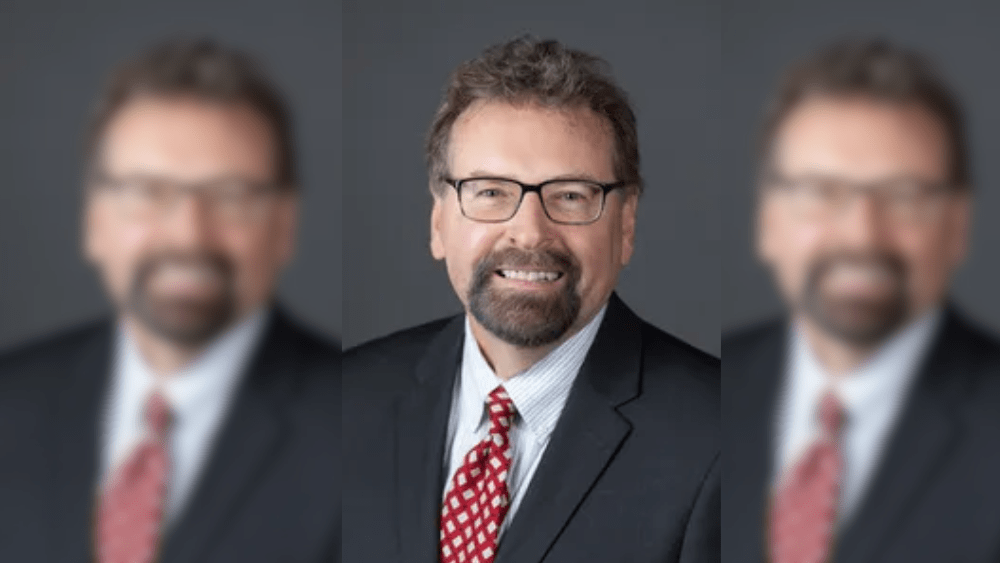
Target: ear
<point>629,209</point>
<point>90,237</point>
<point>763,237</point>
<point>288,226</point>
<point>961,224</point>
<point>437,216</point>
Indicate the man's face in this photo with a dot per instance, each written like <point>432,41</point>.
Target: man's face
<point>528,280</point>
<point>184,224</point>
<point>856,226</point>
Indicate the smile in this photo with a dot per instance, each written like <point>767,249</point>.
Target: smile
<point>530,275</point>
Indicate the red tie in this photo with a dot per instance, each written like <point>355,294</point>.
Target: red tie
<point>478,499</point>
<point>805,507</point>
<point>131,508</point>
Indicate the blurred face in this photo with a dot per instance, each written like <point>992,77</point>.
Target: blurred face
<point>184,221</point>
<point>529,280</point>
<point>858,221</point>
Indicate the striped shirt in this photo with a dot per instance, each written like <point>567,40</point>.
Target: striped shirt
<point>539,394</point>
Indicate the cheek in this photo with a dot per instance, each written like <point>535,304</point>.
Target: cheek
<point>256,256</point>
<point>465,246</point>
<point>599,255</point>
<point>792,247</point>
<point>927,253</point>
<point>117,246</point>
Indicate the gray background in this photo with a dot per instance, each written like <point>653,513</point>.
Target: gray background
<point>54,57</point>
<point>761,37</point>
<point>397,58</point>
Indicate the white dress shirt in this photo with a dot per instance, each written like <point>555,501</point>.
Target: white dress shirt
<point>539,394</point>
<point>198,395</point>
<point>872,397</point>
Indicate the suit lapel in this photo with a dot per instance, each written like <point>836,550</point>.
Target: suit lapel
<point>249,438</point>
<point>751,387</point>
<point>79,414</point>
<point>586,438</point>
<point>918,447</point>
<point>421,428</point>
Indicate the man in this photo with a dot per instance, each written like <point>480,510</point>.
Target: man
<point>202,423</point>
<point>863,427</point>
<point>547,422</point>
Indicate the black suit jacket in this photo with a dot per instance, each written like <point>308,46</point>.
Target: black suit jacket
<point>270,489</point>
<point>935,495</point>
<point>630,474</point>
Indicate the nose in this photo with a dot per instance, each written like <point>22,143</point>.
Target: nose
<point>530,227</point>
<point>863,224</point>
<point>188,225</point>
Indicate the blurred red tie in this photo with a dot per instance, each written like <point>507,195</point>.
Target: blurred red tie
<point>804,511</point>
<point>131,509</point>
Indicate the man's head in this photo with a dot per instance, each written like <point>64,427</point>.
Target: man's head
<point>191,200</point>
<point>864,189</point>
<point>533,266</point>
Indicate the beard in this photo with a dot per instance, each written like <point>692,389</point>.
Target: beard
<point>184,320</point>
<point>859,320</point>
<point>526,319</point>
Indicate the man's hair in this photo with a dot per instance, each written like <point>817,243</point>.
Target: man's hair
<point>205,70</point>
<point>875,69</point>
<point>527,70</point>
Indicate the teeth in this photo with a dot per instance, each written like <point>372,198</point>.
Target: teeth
<point>187,274</point>
<point>527,275</point>
<point>860,274</point>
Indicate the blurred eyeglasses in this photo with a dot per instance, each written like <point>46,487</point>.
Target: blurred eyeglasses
<point>230,200</point>
<point>565,201</point>
<point>904,201</point>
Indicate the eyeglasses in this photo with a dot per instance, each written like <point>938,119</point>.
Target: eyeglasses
<point>229,200</point>
<point>904,201</point>
<point>564,201</point>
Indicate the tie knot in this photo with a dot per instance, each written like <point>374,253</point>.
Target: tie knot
<point>831,414</point>
<point>501,407</point>
<point>158,416</point>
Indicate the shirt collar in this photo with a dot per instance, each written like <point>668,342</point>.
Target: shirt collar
<point>889,371</point>
<point>215,372</point>
<point>539,392</point>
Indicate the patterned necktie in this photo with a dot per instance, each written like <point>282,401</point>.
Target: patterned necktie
<point>805,506</point>
<point>478,499</point>
<point>131,507</point>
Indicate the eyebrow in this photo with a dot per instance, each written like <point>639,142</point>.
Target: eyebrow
<point>478,173</point>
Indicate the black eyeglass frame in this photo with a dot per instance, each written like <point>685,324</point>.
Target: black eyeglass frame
<point>534,188</point>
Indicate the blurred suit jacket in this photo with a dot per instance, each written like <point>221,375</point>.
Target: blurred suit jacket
<point>269,490</point>
<point>935,495</point>
<point>631,472</point>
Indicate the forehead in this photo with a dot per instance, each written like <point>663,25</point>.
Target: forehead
<point>531,143</point>
<point>861,139</point>
<point>188,139</point>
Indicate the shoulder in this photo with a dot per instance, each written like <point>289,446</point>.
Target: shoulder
<point>979,341</point>
<point>59,349</point>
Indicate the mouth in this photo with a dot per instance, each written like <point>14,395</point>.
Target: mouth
<point>186,279</point>
<point>531,276</point>
<point>859,278</point>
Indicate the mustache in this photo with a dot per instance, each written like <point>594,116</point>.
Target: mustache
<point>514,258</point>
<point>893,263</point>
<point>149,264</point>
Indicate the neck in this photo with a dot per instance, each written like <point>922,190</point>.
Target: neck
<point>508,360</point>
<point>163,356</point>
<point>837,356</point>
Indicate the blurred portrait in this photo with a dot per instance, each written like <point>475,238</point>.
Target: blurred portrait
<point>852,429</point>
<point>198,417</point>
